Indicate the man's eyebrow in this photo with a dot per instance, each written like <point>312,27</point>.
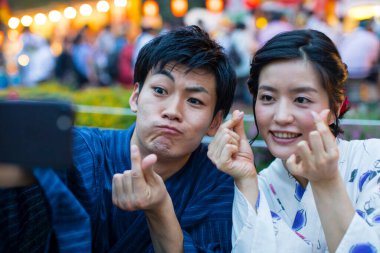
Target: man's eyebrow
<point>165,73</point>
<point>197,88</point>
<point>193,88</point>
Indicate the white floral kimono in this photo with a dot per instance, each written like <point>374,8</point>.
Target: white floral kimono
<point>287,219</point>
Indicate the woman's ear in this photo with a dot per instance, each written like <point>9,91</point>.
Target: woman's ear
<point>216,122</point>
<point>133,99</point>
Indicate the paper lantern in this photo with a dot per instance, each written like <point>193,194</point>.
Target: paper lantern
<point>179,7</point>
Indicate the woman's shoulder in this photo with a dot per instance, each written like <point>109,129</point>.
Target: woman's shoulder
<point>352,147</point>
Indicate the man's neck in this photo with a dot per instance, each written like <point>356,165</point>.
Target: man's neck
<point>168,167</point>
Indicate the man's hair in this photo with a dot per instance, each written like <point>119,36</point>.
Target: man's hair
<point>192,47</point>
<point>312,46</point>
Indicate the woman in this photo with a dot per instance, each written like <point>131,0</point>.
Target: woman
<point>321,193</point>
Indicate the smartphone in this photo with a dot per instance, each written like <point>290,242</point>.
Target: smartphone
<point>36,133</point>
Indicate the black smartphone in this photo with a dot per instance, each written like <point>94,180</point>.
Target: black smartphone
<point>36,133</point>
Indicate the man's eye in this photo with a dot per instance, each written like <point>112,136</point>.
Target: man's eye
<point>159,90</point>
<point>302,100</point>
<point>195,101</point>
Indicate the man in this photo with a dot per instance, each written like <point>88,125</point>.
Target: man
<point>151,187</point>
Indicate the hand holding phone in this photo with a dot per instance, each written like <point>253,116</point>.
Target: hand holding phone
<point>36,133</point>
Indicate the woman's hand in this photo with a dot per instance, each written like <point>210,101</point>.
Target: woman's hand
<point>316,160</point>
<point>230,150</point>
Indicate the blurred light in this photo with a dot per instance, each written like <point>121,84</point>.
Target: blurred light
<point>23,60</point>
<point>56,48</point>
<point>251,4</point>
<point>361,12</point>
<point>70,13</point>
<point>150,8</point>
<point>13,22</point>
<point>261,22</point>
<point>377,13</point>
<point>1,38</point>
<point>215,6</point>
<point>179,7</point>
<point>55,16</point>
<point>26,20</point>
<point>102,6</point>
<point>13,35</point>
<point>40,18</point>
<point>85,9</point>
<point>120,3</point>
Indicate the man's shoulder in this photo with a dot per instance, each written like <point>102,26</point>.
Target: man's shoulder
<point>93,132</point>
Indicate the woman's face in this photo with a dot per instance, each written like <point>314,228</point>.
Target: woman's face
<point>288,91</point>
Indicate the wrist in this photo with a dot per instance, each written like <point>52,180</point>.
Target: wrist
<point>161,209</point>
<point>327,185</point>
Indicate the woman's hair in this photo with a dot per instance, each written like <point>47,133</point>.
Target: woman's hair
<point>192,47</point>
<point>310,45</point>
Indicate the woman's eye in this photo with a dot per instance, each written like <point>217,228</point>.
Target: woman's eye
<point>302,100</point>
<point>159,90</point>
<point>195,101</point>
<point>266,98</point>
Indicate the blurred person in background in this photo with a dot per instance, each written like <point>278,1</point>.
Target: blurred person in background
<point>64,68</point>
<point>360,50</point>
<point>83,58</point>
<point>37,59</point>
<point>104,47</point>
<point>239,52</point>
<point>277,23</point>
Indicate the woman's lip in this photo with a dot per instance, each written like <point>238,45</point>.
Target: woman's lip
<point>284,141</point>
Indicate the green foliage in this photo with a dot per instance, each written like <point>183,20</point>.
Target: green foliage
<point>98,96</point>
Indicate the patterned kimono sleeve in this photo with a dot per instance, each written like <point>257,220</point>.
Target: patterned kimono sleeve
<point>262,231</point>
<point>363,234</point>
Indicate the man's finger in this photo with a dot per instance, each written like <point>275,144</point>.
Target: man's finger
<point>147,166</point>
<point>136,161</point>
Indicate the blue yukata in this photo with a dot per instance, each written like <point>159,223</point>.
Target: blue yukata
<point>287,219</point>
<point>82,217</point>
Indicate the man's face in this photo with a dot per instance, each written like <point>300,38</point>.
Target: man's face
<point>174,111</point>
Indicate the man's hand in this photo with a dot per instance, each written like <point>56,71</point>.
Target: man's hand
<point>139,188</point>
<point>143,189</point>
<point>15,176</point>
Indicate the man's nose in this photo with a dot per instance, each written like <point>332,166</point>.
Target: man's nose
<point>173,109</point>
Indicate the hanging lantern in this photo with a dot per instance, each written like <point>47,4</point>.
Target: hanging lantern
<point>179,7</point>
<point>251,4</point>
<point>215,6</point>
<point>150,8</point>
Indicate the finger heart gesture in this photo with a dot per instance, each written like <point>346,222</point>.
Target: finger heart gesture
<point>317,159</point>
<point>139,188</point>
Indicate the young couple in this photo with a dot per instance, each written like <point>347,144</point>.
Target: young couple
<point>152,187</point>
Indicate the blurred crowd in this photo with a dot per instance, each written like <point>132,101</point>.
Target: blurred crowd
<point>105,58</point>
